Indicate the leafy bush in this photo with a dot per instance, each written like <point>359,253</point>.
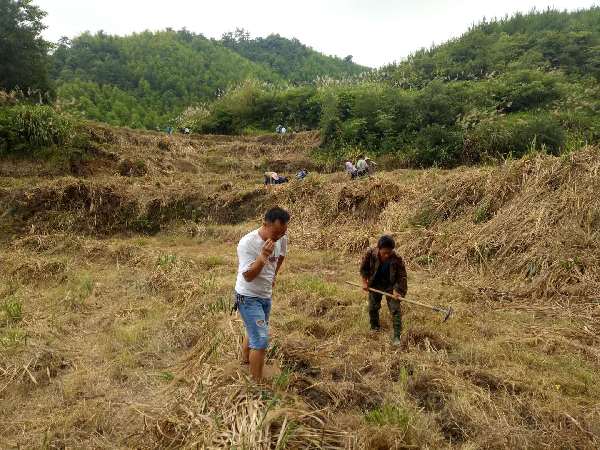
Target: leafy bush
<point>527,89</point>
<point>515,135</point>
<point>257,106</point>
<point>24,128</point>
<point>437,145</point>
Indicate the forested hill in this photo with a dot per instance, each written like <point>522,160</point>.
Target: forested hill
<point>146,79</point>
<point>545,40</point>
<point>290,58</point>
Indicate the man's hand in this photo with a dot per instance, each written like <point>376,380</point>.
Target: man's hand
<point>365,285</point>
<point>262,259</point>
<point>267,249</point>
<point>397,296</point>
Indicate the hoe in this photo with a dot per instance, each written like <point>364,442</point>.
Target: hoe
<point>447,312</point>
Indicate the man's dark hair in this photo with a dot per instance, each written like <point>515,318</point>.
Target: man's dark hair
<point>277,214</point>
<point>386,242</point>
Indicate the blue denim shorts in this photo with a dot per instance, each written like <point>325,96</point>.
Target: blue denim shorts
<point>255,314</point>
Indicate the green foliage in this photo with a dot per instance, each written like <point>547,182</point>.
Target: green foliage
<point>282,380</point>
<point>526,89</point>
<point>290,59</point>
<point>11,337</point>
<point>166,260</point>
<point>389,415</point>
<point>221,305</point>
<point>515,135</point>
<point>147,79</point>
<point>212,261</point>
<point>316,286</point>
<point>25,128</point>
<point>539,40</point>
<point>12,309</point>
<point>258,106</point>
<point>166,376</point>
<point>80,289</point>
<point>425,216</point>
<point>482,212</point>
<point>23,52</point>
<point>505,88</point>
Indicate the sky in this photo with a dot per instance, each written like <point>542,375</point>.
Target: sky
<point>374,32</point>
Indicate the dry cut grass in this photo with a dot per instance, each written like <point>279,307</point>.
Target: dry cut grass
<point>115,293</point>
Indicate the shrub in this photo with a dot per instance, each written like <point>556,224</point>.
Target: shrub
<point>526,89</point>
<point>24,128</point>
<point>436,145</point>
<point>129,168</point>
<point>257,106</point>
<point>515,135</point>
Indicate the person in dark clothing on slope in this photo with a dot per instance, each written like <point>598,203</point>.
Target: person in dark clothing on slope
<point>382,269</point>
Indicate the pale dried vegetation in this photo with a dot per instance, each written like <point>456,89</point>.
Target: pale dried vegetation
<point>115,297</point>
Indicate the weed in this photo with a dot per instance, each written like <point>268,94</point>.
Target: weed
<point>207,285</point>
<point>282,380</point>
<point>12,309</point>
<point>220,305</point>
<point>166,376</point>
<point>212,261</point>
<point>80,291</point>
<point>316,286</point>
<point>12,337</point>
<point>288,433</point>
<point>29,127</point>
<point>425,260</point>
<point>482,213</point>
<point>424,218</point>
<point>389,415</point>
<point>166,260</point>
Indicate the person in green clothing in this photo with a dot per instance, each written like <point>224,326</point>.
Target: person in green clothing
<point>382,269</point>
<point>362,168</point>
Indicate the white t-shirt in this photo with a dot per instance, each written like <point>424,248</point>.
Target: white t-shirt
<point>349,167</point>
<point>248,250</point>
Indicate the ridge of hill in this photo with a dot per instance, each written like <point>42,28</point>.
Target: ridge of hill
<point>146,79</point>
<point>289,58</point>
<point>507,87</point>
<point>546,40</point>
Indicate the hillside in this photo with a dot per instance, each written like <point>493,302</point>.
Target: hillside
<point>505,88</point>
<point>547,40</point>
<point>118,265</point>
<point>147,79</point>
<point>290,59</point>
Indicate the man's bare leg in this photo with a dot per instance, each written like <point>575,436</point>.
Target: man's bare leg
<point>257,363</point>
<point>245,351</point>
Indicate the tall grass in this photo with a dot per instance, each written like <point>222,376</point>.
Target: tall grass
<point>24,128</point>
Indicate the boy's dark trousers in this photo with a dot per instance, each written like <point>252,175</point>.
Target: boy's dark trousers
<point>393,306</point>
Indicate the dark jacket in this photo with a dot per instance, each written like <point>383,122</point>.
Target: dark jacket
<point>370,263</point>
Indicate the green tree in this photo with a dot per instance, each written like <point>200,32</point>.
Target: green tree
<point>24,59</point>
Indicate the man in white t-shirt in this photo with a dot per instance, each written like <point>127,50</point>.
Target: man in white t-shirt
<point>260,256</point>
<point>350,169</point>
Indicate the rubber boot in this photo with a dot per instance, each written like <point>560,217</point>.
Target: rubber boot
<point>374,319</point>
<point>397,323</point>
